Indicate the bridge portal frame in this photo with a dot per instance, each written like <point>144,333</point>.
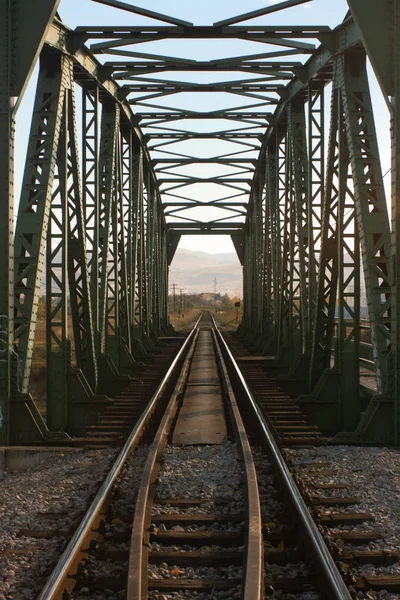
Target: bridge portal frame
<point>100,237</point>
<point>304,236</point>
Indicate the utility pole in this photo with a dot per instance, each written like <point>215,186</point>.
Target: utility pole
<point>174,286</point>
<point>182,301</point>
<point>215,286</point>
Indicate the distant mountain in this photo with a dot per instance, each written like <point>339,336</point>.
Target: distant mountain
<point>195,272</point>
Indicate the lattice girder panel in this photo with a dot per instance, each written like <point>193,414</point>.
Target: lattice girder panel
<point>34,208</point>
<point>371,207</point>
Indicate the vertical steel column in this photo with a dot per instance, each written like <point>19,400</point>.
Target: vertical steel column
<point>347,346</point>
<point>302,282</point>
<point>136,239</point>
<point>57,287</point>
<point>273,232</point>
<point>124,240</point>
<point>247,299</point>
<point>269,233</point>
<point>285,208</point>
<point>395,308</point>
<point>78,273</point>
<point>90,194</point>
<point>7,129</point>
<point>151,220</point>
<point>324,320</point>
<point>372,214</point>
<point>33,214</point>
<point>164,267</point>
<point>256,259</point>
<point>107,175</point>
<point>141,310</point>
<point>145,233</point>
<point>316,174</point>
<point>260,252</point>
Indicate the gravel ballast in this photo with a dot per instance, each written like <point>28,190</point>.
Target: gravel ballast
<point>273,510</point>
<point>201,472</point>
<point>198,472</point>
<point>52,496</point>
<point>373,476</point>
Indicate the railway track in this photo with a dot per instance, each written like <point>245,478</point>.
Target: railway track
<point>348,529</point>
<point>212,517</point>
<point>122,410</point>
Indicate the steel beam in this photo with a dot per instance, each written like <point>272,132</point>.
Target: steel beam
<point>21,40</point>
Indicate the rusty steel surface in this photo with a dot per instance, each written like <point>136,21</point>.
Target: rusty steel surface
<point>205,349</point>
<point>137,573</point>
<point>253,586</point>
<point>334,585</point>
<point>62,578</point>
<point>201,418</point>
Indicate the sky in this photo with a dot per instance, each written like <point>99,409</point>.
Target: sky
<point>206,12</point>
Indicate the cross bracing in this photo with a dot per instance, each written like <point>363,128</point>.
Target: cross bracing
<point>245,145</point>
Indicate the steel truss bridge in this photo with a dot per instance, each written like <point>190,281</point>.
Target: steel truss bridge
<point>110,187</point>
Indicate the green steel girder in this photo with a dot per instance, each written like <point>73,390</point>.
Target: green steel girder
<point>90,194</point>
<point>33,214</point>
<point>384,53</point>
<point>316,174</point>
<point>23,26</point>
<point>108,298</point>
<point>354,225</point>
<point>273,246</point>
<point>301,265</point>
<point>371,207</point>
<point>78,272</point>
<point>328,272</point>
<point>109,245</point>
<point>91,238</point>
<point>199,32</point>
<point>254,262</point>
<point>371,18</point>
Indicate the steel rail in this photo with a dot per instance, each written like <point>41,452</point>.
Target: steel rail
<point>254,569</point>
<point>138,555</point>
<point>336,588</point>
<point>253,564</point>
<point>55,585</point>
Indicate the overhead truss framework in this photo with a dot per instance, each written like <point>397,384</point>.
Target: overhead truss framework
<point>106,197</point>
<point>204,160</point>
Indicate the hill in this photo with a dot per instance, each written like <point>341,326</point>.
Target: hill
<point>195,272</point>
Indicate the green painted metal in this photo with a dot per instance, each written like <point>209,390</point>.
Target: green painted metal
<point>326,249</point>
<point>22,38</point>
<point>394,382</point>
<point>258,13</point>
<point>34,208</point>
<point>7,128</point>
<point>308,219</point>
<point>144,11</point>
<point>90,238</point>
<point>301,272</point>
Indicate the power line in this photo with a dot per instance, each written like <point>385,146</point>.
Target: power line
<point>388,171</point>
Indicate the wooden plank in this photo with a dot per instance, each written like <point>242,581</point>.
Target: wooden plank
<point>391,583</point>
<point>368,557</point>
<point>357,537</point>
<point>334,501</point>
<point>190,501</point>
<point>199,518</point>
<point>193,584</point>
<point>331,520</point>
<point>252,359</point>
<point>201,419</point>
<point>208,537</point>
<point>199,557</point>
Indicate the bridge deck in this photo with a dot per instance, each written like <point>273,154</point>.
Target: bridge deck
<point>201,419</point>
